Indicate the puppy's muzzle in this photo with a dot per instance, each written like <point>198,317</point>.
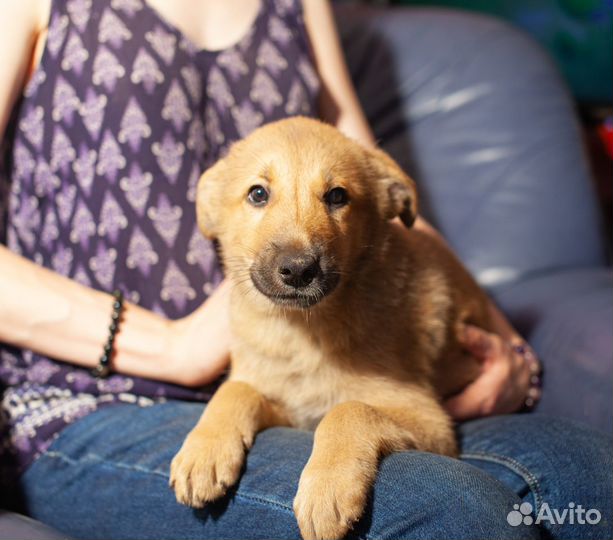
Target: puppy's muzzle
<point>293,277</point>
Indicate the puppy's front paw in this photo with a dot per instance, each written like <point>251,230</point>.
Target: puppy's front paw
<point>331,499</point>
<point>206,466</point>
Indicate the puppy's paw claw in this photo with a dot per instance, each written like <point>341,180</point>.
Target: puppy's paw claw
<point>205,468</point>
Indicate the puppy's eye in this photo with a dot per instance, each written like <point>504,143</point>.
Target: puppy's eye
<point>336,197</point>
<point>258,195</point>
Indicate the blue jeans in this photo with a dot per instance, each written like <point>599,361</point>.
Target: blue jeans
<point>106,476</point>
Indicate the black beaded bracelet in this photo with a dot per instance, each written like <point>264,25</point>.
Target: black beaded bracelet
<point>104,364</point>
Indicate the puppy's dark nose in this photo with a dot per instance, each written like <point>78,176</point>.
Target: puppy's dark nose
<point>298,270</point>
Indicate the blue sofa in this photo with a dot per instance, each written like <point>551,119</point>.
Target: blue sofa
<point>475,111</point>
<point>478,114</point>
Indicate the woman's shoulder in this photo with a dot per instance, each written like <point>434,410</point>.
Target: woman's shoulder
<point>30,14</point>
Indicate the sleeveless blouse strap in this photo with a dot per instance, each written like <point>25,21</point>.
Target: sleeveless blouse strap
<point>289,10</point>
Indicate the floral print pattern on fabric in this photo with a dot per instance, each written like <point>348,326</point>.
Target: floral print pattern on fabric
<point>112,133</point>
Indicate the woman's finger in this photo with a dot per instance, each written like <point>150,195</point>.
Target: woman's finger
<point>479,398</point>
<point>521,374</point>
<point>481,344</point>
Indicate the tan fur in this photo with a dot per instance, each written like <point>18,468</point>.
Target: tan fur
<point>367,365</point>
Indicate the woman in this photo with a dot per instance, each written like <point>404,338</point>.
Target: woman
<point>126,103</point>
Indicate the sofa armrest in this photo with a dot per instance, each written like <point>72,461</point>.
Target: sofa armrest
<point>567,316</point>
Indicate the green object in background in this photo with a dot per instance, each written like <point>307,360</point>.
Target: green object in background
<point>580,8</point>
<point>578,33</point>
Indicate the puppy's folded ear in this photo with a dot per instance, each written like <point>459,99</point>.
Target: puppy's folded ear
<point>208,203</point>
<point>396,192</point>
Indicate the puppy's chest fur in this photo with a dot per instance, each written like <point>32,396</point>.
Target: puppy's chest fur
<point>307,376</point>
<point>303,385</point>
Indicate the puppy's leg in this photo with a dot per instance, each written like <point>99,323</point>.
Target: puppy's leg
<point>212,455</point>
<point>349,442</point>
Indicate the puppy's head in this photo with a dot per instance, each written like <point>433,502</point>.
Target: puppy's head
<point>297,207</point>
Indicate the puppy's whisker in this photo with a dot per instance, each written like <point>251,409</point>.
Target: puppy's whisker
<point>331,239</point>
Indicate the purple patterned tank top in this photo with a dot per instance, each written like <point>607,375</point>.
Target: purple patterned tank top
<point>113,130</point>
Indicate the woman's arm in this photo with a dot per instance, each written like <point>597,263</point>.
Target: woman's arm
<point>57,317</point>
<point>60,318</point>
<point>504,383</point>
<point>339,104</point>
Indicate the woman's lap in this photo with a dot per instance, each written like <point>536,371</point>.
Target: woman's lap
<point>107,477</point>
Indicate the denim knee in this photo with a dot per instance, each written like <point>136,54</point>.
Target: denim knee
<point>549,461</point>
<point>423,496</point>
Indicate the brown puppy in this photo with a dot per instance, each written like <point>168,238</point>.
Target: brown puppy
<point>344,321</point>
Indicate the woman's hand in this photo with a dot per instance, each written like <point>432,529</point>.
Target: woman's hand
<point>199,344</point>
<point>504,383</point>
